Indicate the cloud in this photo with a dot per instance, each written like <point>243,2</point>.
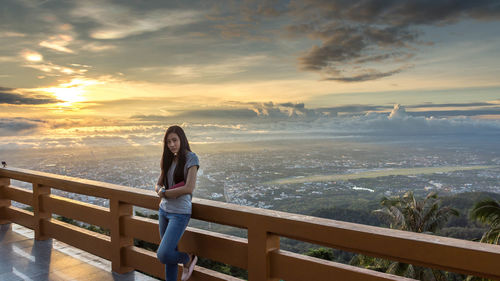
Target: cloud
<point>355,109</point>
<point>98,47</point>
<point>210,114</point>
<point>354,33</point>
<point>470,112</point>
<point>228,66</point>
<point>11,34</point>
<point>118,21</point>
<point>240,112</point>
<point>9,96</point>
<point>32,56</point>
<point>399,123</point>
<point>452,109</point>
<point>19,125</point>
<point>57,69</point>
<point>7,59</point>
<point>244,122</point>
<point>398,112</point>
<point>369,74</point>
<point>429,105</point>
<point>345,48</point>
<point>58,43</point>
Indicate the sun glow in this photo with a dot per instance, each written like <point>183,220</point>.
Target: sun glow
<point>32,56</point>
<point>72,91</point>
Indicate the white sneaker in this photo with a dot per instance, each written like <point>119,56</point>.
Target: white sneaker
<point>188,269</point>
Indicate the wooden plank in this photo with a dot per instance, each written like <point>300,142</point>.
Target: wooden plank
<point>224,248</point>
<point>20,216</point>
<point>137,197</point>
<point>260,243</point>
<point>450,254</point>
<point>77,210</point>
<point>92,242</point>
<point>205,274</point>
<point>141,228</point>
<point>294,267</point>
<point>18,194</point>
<point>202,242</point>
<point>3,214</point>
<point>5,202</point>
<point>118,212</point>
<point>221,212</point>
<point>146,261</point>
<point>39,191</point>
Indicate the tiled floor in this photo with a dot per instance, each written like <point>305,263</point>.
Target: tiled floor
<point>24,258</point>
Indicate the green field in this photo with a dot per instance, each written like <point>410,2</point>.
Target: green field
<point>379,173</point>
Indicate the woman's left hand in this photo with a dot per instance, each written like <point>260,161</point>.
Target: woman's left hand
<point>159,190</point>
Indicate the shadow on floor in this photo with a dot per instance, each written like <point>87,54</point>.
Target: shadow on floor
<point>24,258</point>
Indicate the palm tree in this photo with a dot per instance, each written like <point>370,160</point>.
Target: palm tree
<point>408,213</point>
<point>488,212</point>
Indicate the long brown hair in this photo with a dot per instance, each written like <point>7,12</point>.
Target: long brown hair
<point>168,157</point>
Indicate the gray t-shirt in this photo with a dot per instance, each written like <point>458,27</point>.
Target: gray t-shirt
<point>181,204</point>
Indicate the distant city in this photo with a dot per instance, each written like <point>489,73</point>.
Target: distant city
<point>295,175</point>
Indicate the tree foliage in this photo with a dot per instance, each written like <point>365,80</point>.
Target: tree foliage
<point>408,213</point>
<point>488,212</point>
<point>321,253</point>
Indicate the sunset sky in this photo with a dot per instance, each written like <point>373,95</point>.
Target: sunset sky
<point>82,72</point>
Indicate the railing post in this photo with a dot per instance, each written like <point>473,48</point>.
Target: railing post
<point>38,212</point>
<point>4,201</point>
<point>260,243</point>
<point>119,210</point>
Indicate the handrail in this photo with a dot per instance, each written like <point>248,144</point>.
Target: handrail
<point>260,253</point>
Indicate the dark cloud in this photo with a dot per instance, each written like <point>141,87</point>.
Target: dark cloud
<point>7,96</point>
<point>368,75</point>
<point>18,125</point>
<point>244,112</point>
<point>399,12</point>
<point>293,105</point>
<point>215,114</point>
<point>254,112</point>
<point>376,58</point>
<point>355,108</point>
<point>344,49</point>
<point>450,105</point>
<point>343,45</point>
<point>445,113</point>
<point>271,112</point>
<point>354,33</point>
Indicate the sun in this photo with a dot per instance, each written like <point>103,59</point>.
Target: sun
<point>67,95</point>
<point>71,92</point>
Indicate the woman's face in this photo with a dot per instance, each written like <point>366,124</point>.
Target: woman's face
<point>173,143</point>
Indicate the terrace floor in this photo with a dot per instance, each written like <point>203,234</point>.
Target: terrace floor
<point>24,258</point>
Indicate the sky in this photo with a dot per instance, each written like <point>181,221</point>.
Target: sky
<point>78,73</point>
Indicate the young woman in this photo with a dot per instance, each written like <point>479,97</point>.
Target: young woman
<point>175,187</point>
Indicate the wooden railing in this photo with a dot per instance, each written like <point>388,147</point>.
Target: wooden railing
<point>260,254</point>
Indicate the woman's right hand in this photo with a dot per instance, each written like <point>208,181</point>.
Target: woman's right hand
<point>157,188</point>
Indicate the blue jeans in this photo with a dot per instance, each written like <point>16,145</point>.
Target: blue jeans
<point>172,227</point>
